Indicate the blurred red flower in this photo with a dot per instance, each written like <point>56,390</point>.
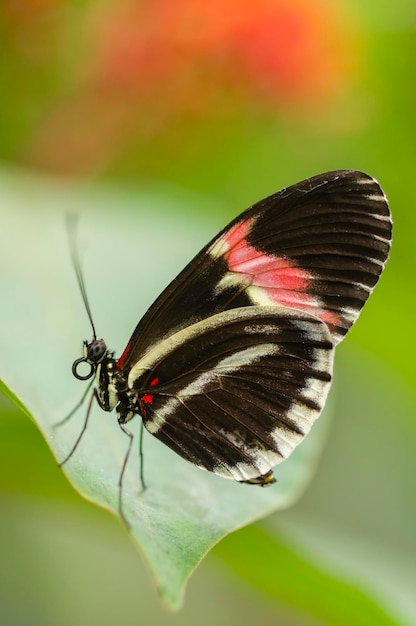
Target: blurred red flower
<point>286,50</point>
<point>149,63</point>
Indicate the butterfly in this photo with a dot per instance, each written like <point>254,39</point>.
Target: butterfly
<point>231,365</point>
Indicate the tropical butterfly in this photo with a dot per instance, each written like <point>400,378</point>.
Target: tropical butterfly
<point>231,366</point>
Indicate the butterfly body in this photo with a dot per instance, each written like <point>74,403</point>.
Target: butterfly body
<point>232,364</point>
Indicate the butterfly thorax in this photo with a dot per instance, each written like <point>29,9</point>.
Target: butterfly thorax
<point>108,383</point>
<point>112,391</point>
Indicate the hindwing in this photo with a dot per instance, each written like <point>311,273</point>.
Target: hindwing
<point>234,394</point>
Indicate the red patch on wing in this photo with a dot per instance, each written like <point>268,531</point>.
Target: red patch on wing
<point>147,398</point>
<point>120,362</point>
<point>280,279</point>
<point>329,317</point>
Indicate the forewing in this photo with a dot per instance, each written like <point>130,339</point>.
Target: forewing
<point>318,246</point>
<point>235,394</point>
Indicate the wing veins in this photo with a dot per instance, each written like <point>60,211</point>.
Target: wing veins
<point>258,435</point>
<point>287,424</point>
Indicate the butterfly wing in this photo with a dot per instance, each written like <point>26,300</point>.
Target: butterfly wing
<point>318,246</point>
<point>235,394</point>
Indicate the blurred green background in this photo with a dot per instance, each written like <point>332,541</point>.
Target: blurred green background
<point>232,100</point>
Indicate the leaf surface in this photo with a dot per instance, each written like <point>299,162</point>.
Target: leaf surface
<point>130,247</point>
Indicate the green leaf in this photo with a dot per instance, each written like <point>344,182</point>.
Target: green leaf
<point>12,396</point>
<point>131,246</point>
<point>299,581</point>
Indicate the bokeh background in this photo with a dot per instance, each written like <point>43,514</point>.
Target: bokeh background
<point>231,100</point>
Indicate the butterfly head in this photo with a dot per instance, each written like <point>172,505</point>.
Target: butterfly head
<point>94,353</point>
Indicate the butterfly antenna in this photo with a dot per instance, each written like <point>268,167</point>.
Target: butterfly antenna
<point>72,223</point>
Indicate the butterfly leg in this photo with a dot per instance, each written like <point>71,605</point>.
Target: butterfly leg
<point>141,457</point>
<point>76,407</point>
<point>123,469</point>
<point>84,428</point>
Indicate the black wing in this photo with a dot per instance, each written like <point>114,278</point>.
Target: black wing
<point>236,393</point>
<point>318,246</point>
